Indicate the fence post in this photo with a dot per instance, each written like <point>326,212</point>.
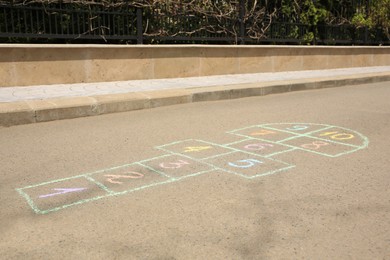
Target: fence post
<point>365,35</point>
<point>242,22</point>
<point>139,26</point>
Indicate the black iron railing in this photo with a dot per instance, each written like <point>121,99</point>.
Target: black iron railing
<point>67,23</point>
<point>72,23</point>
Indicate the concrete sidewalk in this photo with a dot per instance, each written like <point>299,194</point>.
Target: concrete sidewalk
<point>22,105</point>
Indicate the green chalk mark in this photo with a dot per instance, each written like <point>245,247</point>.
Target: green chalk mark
<point>54,181</point>
<point>259,175</point>
<point>154,170</point>
<point>146,186</point>
<point>254,138</point>
<point>247,152</point>
<point>153,158</point>
<point>364,138</point>
<point>74,203</point>
<point>29,200</point>
<point>195,174</point>
<point>272,172</point>
<point>297,133</point>
<point>218,155</point>
<point>101,185</point>
<point>237,142</point>
<point>280,152</point>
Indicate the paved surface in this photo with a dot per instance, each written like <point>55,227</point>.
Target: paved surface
<point>288,176</point>
<point>12,94</point>
<point>22,105</point>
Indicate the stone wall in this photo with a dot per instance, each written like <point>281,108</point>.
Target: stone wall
<point>22,65</point>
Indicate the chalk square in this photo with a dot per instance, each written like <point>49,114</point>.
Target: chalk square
<point>248,165</point>
<point>263,148</point>
<point>59,194</point>
<point>321,147</point>
<point>176,166</point>
<point>340,135</point>
<point>297,128</point>
<point>262,133</point>
<point>129,178</point>
<point>196,149</point>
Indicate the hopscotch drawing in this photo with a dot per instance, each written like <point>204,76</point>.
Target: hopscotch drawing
<point>252,156</point>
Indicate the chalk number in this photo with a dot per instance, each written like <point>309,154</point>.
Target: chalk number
<point>297,128</point>
<point>257,147</point>
<point>245,163</point>
<point>338,136</point>
<point>174,165</point>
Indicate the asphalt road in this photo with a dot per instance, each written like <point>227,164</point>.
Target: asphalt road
<point>303,175</point>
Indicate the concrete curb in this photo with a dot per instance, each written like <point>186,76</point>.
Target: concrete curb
<point>34,111</point>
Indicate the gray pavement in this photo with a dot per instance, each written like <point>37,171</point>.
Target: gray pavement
<point>42,92</point>
<point>24,105</point>
<point>299,175</point>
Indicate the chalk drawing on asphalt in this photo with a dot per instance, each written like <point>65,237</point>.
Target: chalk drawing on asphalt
<point>60,191</point>
<point>251,157</point>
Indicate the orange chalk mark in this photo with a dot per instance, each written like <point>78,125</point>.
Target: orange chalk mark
<point>174,165</point>
<point>314,145</point>
<point>338,136</point>
<point>111,177</point>
<point>328,133</point>
<point>262,132</point>
<point>196,148</point>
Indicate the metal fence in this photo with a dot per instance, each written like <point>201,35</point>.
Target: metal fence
<point>67,22</point>
<point>72,23</point>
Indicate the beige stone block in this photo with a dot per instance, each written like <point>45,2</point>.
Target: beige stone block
<point>314,59</point>
<point>121,102</point>
<point>299,85</point>
<point>288,59</point>
<point>167,97</point>
<point>210,93</point>
<point>340,82</point>
<point>247,90</point>
<point>360,80</point>
<point>44,110</point>
<point>339,61</point>
<point>339,58</point>
<point>176,62</point>
<point>381,58</point>
<point>219,61</point>
<point>355,79</point>
<point>66,108</point>
<point>255,60</point>
<point>48,72</point>
<point>118,64</point>
<point>7,68</point>
<point>362,60</point>
<point>7,74</point>
<point>277,88</point>
<point>381,78</point>
<point>16,113</point>
<point>256,89</point>
<point>48,66</point>
<point>326,83</point>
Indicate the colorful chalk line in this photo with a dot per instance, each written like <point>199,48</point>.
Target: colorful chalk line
<point>250,157</point>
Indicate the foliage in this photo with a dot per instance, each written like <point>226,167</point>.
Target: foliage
<point>292,19</point>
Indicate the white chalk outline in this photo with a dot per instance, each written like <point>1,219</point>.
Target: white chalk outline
<point>110,193</point>
<point>265,155</point>
<point>308,135</point>
<point>234,150</point>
